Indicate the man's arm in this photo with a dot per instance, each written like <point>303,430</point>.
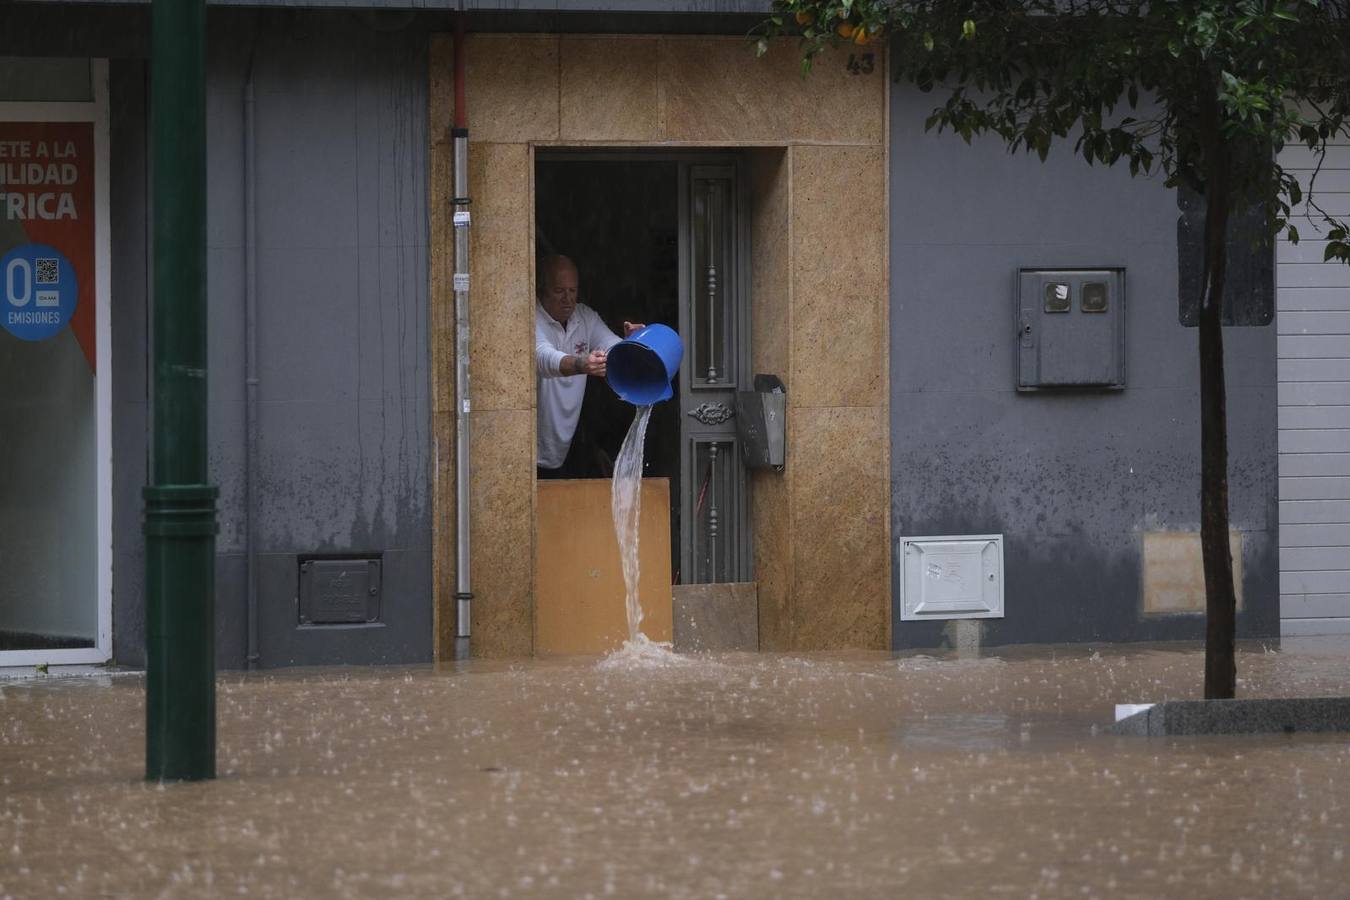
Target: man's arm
<point>550,362</point>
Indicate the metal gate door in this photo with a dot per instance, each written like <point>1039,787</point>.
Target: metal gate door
<point>715,321</point>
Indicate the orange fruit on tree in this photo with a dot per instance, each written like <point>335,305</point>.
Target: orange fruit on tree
<point>805,17</point>
<point>846,30</point>
<point>860,35</point>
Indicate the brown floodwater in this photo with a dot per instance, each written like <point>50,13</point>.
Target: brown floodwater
<point>729,776</point>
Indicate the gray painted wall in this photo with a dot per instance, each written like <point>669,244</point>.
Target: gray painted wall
<point>342,278</point>
<point>345,444</point>
<point>1071,480</point>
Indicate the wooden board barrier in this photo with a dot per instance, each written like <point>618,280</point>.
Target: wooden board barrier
<point>579,596</point>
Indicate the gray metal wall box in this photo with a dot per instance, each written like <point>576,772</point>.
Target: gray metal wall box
<point>1070,328</point>
<point>952,577</point>
<point>339,591</point>
<point>761,423</point>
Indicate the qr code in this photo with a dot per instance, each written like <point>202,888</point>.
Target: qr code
<point>48,271</point>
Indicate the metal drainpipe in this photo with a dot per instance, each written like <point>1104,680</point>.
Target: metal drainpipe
<point>251,368</point>
<point>461,221</point>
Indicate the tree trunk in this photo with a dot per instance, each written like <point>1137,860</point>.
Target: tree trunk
<point>1220,600</point>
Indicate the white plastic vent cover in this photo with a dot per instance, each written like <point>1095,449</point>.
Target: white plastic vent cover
<point>958,577</point>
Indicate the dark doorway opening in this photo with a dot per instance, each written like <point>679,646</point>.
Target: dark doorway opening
<point>619,221</point>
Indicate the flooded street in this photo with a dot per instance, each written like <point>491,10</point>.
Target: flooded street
<point>731,776</point>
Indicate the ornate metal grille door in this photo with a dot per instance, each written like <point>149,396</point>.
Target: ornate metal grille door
<point>714,320</point>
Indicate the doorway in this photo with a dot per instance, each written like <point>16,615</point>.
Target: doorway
<point>661,238</point>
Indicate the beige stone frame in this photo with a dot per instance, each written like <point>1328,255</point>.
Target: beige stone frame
<point>818,159</point>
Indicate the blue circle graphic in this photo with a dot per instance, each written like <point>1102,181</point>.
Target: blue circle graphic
<point>38,292</point>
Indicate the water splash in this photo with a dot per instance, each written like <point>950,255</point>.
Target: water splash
<point>644,653</point>
<point>626,504</point>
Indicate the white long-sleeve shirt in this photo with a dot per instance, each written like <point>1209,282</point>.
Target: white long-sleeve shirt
<point>560,395</point>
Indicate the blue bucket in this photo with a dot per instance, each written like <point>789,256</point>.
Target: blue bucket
<point>640,369</point>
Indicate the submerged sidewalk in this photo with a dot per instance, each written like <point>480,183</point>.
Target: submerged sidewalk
<point>737,776</point>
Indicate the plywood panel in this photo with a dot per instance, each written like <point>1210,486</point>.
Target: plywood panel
<point>1174,573</point>
<point>579,602</point>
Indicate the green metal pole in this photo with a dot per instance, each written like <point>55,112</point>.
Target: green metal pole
<point>180,507</point>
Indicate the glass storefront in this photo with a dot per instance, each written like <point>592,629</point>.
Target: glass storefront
<point>54,398</point>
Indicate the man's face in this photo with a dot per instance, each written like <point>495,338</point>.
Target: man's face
<point>559,296</point>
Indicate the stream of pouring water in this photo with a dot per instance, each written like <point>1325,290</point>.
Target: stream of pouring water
<point>626,504</point>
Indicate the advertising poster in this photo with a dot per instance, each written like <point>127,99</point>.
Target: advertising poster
<point>47,274</point>
<point>49,481</point>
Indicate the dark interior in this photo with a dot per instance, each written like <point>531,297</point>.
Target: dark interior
<point>618,219</point>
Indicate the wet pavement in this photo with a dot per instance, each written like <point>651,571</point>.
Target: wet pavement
<point>729,776</point>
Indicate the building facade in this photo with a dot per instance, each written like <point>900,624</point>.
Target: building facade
<point>802,228</point>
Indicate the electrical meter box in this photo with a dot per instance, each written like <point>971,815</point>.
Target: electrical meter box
<point>1070,329</point>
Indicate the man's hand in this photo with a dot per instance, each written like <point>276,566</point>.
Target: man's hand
<point>630,327</point>
<point>594,364</point>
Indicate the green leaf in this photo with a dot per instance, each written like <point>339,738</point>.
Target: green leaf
<point>968,29</point>
<point>928,42</point>
<point>1293,235</point>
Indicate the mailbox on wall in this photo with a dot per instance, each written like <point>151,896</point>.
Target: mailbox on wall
<point>1071,329</point>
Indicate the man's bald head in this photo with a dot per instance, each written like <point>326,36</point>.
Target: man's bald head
<point>557,287</point>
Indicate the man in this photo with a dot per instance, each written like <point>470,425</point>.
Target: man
<point>570,343</point>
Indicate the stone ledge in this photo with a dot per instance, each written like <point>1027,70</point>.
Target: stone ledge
<point>1265,716</point>
<point>715,617</point>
